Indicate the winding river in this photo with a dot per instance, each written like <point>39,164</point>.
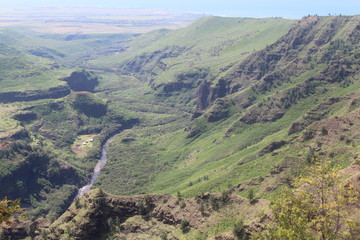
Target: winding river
<point>101,163</point>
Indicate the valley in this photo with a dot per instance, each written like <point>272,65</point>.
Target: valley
<point>210,123</point>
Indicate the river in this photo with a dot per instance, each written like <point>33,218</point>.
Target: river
<point>101,163</point>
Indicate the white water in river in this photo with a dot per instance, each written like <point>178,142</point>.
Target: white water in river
<point>101,163</point>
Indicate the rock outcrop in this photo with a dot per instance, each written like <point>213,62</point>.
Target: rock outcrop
<point>32,95</point>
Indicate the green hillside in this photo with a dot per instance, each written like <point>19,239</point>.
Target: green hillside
<point>26,65</point>
<point>253,105</point>
<point>205,117</point>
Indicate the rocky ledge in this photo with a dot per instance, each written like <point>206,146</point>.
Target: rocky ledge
<point>32,95</point>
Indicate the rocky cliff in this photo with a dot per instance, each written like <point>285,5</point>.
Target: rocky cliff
<point>32,95</point>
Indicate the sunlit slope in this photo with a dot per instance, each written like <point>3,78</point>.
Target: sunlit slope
<point>275,108</point>
<point>211,43</point>
<point>25,65</point>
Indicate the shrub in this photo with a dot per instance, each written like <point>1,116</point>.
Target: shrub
<point>260,179</point>
<point>8,208</point>
<point>251,196</point>
<point>184,226</point>
<point>319,209</point>
<point>182,204</point>
<point>202,208</point>
<point>77,203</point>
<point>324,131</point>
<point>214,203</point>
<point>239,230</point>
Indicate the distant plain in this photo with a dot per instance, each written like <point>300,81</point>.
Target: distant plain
<point>94,20</point>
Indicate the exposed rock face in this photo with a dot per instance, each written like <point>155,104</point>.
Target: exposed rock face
<point>207,94</point>
<point>175,86</point>
<point>219,110</point>
<point>89,217</point>
<point>98,207</point>
<point>96,214</point>
<point>203,94</point>
<point>278,64</point>
<point>272,147</point>
<point>32,95</point>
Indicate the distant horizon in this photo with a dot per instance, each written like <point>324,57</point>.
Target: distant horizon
<point>165,11</point>
<point>225,8</point>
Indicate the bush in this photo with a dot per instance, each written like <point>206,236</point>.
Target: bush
<point>239,230</point>
<point>214,203</point>
<point>260,179</point>
<point>202,208</point>
<point>225,197</point>
<point>324,131</point>
<point>77,203</point>
<point>184,226</point>
<point>182,204</point>
<point>319,209</point>
<point>251,196</point>
<point>8,209</point>
<point>163,236</point>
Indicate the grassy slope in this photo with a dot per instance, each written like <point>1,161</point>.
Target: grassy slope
<point>167,162</point>
<point>158,157</point>
<point>21,69</point>
<point>162,117</point>
<point>211,42</point>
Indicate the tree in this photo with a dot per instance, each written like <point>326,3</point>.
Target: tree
<point>239,230</point>
<point>317,210</point>
<point>8,208</point>
<point>251,196</point>
<point>184,226</point>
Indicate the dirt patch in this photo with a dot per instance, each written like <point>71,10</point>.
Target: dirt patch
<point>343,128</point>
<point>82,144</point>
<point>3,144</point>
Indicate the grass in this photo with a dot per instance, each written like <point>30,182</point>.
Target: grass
<point>22,70</point>
<point>157,156</point>
<point>223,159</point>
<point>79,148</point>
<point>211,32</point>
<point>8,125</point>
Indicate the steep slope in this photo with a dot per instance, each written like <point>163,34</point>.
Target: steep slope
<point>173,61</point>
<point>252,106</point>
<point>216,116</point>
<point>165,66</point>
<point>98,215</point>
<point>41,163</point>
<point>258,124</point>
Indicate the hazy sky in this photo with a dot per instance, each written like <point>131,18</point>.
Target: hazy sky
<point>239,8</point>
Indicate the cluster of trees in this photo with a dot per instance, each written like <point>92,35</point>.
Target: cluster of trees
<point>318,209</point>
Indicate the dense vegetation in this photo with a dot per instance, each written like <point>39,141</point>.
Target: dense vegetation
<point>38,164</point>
<point>236,107</point>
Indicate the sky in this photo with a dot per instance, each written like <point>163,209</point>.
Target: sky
<point>232,8</point>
